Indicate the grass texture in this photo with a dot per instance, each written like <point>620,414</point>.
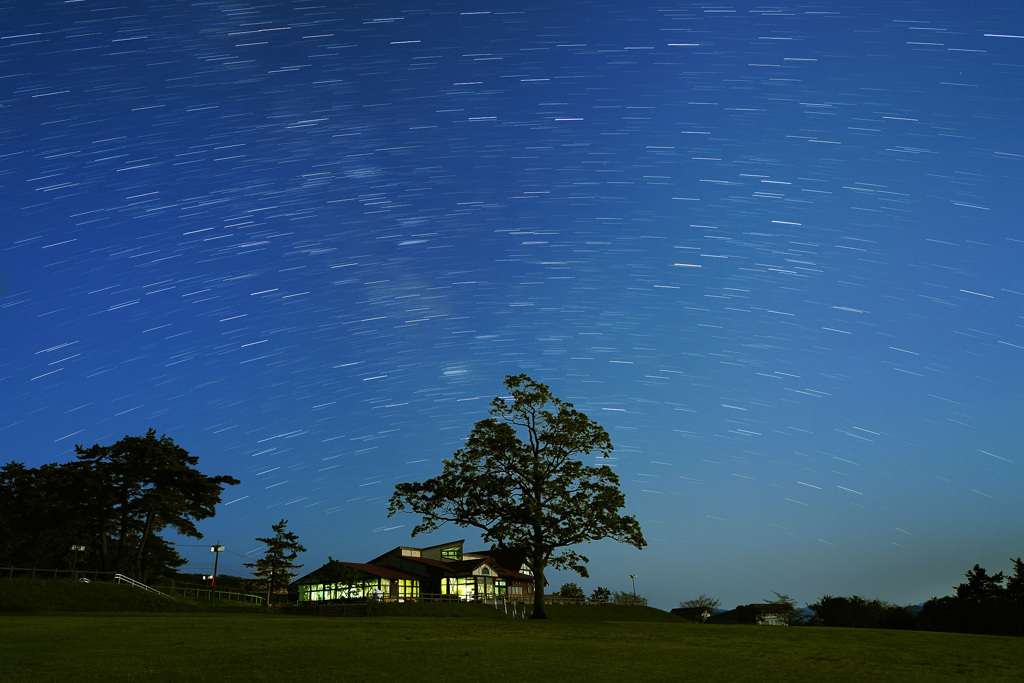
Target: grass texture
<point>576,644</point>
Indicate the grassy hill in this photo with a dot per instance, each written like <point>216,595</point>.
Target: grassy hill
<point>65,596</point>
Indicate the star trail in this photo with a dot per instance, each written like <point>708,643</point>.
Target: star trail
<point>775,250</point>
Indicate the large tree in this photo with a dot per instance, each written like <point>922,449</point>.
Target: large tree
<point>141,485</point>
<point>113,500</point>
<point>276,568</point>
<point>519,480</point>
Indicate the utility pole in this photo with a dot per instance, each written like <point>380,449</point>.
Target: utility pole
<point>633,579</point>
<point>216,550</point>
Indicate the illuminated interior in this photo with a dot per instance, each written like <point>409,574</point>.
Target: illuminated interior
<point>390,589</point>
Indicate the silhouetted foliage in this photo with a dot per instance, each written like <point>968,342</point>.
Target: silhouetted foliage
<point>600,594</point>
<point>114,500</point>
<point>983,604</point>
<point>857,612</point>
<point>147,484</point>
<point>702,600</point>
<point>571,590</point>
<point>519,480</point>
<point>337,572</point>
<point>627,598</point>
<point>787,610</point>
<point>701,607</point>
<point>275,569</point>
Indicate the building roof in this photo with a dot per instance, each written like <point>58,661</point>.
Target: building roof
<point>455,566</point>
<point>379,567</point>
<point>509,561</point>
<point>398,549</point>
<point>368,570</point>
<point>748,614</point>
<point>507,558</point>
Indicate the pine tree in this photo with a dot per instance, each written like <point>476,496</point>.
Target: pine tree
<point>276,567</point>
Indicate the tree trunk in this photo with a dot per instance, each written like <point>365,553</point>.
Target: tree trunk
<point>104,550</point>
<point>142,545</point>
<point>539,611</point>
<point>122,532</point>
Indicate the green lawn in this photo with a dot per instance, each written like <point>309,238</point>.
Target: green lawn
<point>262,647</point>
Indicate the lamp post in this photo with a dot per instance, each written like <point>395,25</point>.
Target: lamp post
<point>216,550</point>
<point>632,577</point>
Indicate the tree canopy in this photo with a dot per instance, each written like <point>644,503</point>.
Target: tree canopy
<point>858,612</point>
<point>277,566</point>
<point>703,606</point>
<point>985,603</point>
<point>519,480</point>
<point>113,500</point>
<point>571,590</point>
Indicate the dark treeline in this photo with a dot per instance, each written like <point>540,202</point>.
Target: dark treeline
<point>858,612</point>
<point>989,604</point>
<point>992,604</point>
<point>113,501</point>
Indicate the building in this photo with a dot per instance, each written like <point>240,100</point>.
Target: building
<point>762,614</point>
<point>439,572</point>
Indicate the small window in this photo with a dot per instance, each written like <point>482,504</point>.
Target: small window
<point>450,553</point>
<point>485,571</point>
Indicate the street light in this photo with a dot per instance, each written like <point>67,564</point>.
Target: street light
<point>216,550</point>
<point>633,579</point>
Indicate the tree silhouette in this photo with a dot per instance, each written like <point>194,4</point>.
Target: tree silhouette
<point>704,603</point>
<point>141,485</point>
<point>113,500</point>
<point>571,590</point>
<point>276,567</point>
<point>519,481</point>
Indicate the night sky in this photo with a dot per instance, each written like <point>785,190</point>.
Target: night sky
<point>774,249</point>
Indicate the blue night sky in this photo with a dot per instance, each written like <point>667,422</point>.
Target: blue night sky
<point>774,249</point>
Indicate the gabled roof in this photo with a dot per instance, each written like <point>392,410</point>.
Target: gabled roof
<point>455,566</point>
<point>369,570</point>
<point>398,549</point>
<point>509,561</point>
<point>507,558</point>
<point>459,543</point>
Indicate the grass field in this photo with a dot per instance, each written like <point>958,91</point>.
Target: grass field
<point>577,644</point>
